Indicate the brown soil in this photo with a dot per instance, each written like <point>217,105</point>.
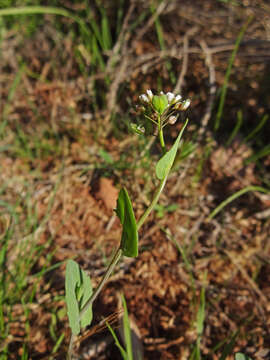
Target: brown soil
<point>74,190</point>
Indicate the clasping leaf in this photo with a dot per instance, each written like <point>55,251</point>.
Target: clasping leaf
<point>124,210</point>
<point>164,165</point>
<point>78,291</point>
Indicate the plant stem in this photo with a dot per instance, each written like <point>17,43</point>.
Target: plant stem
<point>70,347</point>
<point>106,276</point>
<point>161,138</point>
<point>162,183</point>
<point>153,203</point>
<point>162,143</point>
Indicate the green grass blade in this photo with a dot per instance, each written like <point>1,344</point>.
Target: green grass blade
<point>97,32</point>
<point>106,33</point>
<point>159,30</point>
<point>127,332</point>
<point>257,128</point>
<point>161,41</point>
<point>30,10</point>
<point>229,347</point>
<point>120,13</point>
<point>97,56</point>
<point>227,75</point>
<point>10,96</point>
<point>259,154</point>
<point>3,284</point>
<point>58,343</point>
<point>200,320</point>
<point>117,343</point>
<point>183,254</point>
<point>239,122</point>
<point>235,196</point>
<point>201,312</point>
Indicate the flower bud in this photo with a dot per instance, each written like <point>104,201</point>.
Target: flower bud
<point>149,94</point>
<point>160,103</point>
<point>170,97</point>
<point>172,120</point>
<point>182,105</point>
<point>138,129</point>
<point>144,98</point>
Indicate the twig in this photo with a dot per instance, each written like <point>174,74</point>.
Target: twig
<point>185,53</point>
<point>112,93</point>
<point>212,91</point>
<point>122,38</point>
<point>249,280</point>
<point>150,22</point>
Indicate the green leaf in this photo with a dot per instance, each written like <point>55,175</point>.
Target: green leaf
<point>124,210</point>
<point>127,331</point>
<point>86,293</point>
<point>201,313</point>
<point>117,342</point>
<point>229,347</point>
<point>160,103</point>
<point>164,165</point>
<point>106,156</point>
<point>241,356</point>
<point>72,274</point>
<point>78,291</point>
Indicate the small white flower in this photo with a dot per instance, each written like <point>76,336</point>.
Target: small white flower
<point>172,120</point>
<point>186,104</point>
<point>149,94</point>
<point>178,98</point>
<point>144,98</point>
<point>141,129</point>
<point>170,96</point>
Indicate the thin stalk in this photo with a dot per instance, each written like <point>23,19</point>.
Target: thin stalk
<point>162,143</point>
<point>70,347</point>
<point>161,138</point>
<point>153,203</point>
<point>106,276</point>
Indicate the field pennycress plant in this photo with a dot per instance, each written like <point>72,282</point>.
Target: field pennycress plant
<point>161,110</point>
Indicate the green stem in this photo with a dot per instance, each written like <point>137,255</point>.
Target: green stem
<point>106,276</point>
<point>161,138</point>
<point>161,185</point>
<point>153,203</point>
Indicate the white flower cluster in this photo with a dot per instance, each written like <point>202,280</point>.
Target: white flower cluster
<point>171,97</point>
<point>162,109</point>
